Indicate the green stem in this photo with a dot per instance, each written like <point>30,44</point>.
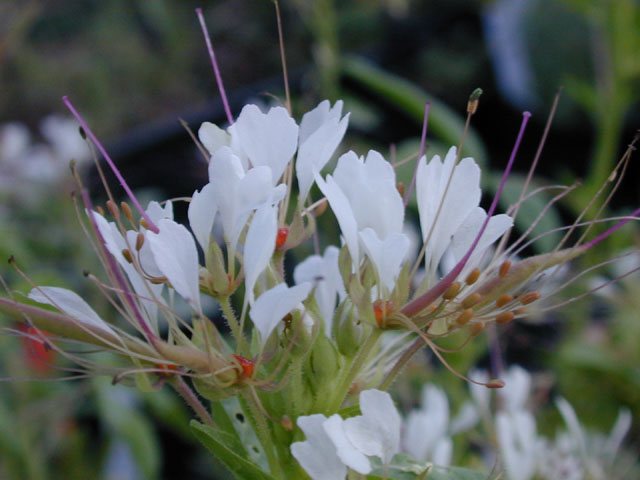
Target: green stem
<point>227,311</point>
<point>192,400</point>
<point>347,379</point>
<point>263,432</point>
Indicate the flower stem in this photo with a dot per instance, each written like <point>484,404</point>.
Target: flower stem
<point>227,310</point>
<point>402,361</point>
<point>263,432</point>
<point>347,379</point>
<point>192,400</point>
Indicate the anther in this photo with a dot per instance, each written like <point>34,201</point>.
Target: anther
<point>452,291</point>
<point>400,188</point>
<point>139,241</point>
<point>528,298</point>
<point>505,317</point>
<point>464,317</point>
<point>100,210</point>
<point>504,269</point>
<point>495,383</point>
<point>476,328</point>
<point>286,423</point>
<point>474,99</point>
<point>127,211</point>
<point>321,208</point>
<point>126,253</point>
<point>520,311</point>
<point>113,209</point>
<point>471,300</point>
<point>144,223</point>
<point>472,277</point>
<point>503,300</point>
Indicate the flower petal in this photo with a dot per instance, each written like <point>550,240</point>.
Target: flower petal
<point>213,137</point>
<point>317,455</point>
<point>259,245</point>
<point>387,256</point>
<point>377,430</point>
<point>268,139</point>
<point>176,255</point>
<point>270,307</point>
<point>71,304</point>
<point>202,213</point>
<point>334,427</point>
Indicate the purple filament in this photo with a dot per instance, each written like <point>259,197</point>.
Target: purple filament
<point>115,170</point>
<point>429,297</point>
<point>618,225</point>
<point>214,64</point>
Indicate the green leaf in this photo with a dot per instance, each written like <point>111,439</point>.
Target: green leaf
<point>455,473</point>
<point>444,122</point>
<point>224,447</point>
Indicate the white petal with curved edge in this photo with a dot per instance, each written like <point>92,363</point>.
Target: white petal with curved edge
<point>176,255</point>
<point>516,432</point>
<point>387,256</point>
<point>268,139</point>
<point>324,273</point>
<point>343,213</point>
<point>157,212</point>
<point>348,453</point>
<point>270,307</point>
<point>259,245</point>
<point>321,131</point>
<point>213,137</point>
<point>377,430</point>
<point>71,304</point>
<point>516,390</point>
<point>202,212</point>
<point>317,455</point>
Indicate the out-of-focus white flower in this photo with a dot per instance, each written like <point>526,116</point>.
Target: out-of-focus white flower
<point>517,441</point>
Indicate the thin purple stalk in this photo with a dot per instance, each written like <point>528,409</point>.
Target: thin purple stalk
<point>115,170</point>
<point>113,266</point>
<point>214,64</point>
<point>618,225</point>
<point>429,297</point>
<point>423,140</point>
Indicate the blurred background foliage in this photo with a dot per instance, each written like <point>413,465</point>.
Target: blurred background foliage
<point>134,66</point>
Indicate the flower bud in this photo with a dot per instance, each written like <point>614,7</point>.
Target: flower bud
<point>324,363</point>
<point>347,330</point>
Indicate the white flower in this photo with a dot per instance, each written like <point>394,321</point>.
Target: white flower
<point>321,130</point>
<point>448,195</point>
<point>324,273</point>
<point>270,307</point>
<point>517,441</point>
<point>317,455</point>
<point>374,433</point>
<point>259,245</point>
<point>364,197</point>
<point>516,390</point>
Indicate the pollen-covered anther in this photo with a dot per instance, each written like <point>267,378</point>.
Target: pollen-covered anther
<point>246,366</point>
<point>381,309</point>
<point>322,207</point>
<point>505,317</point>
<point>144,223</point>
<point>472,277</point>
<point>528,298</point>
<point>495,383</point>
<point>126,253</point>
<point>281,238</point>
<point>113,209</point>
<point>464,317</point>
<point>503,300</point>
<point>452,291</point>
<point>100,210</point>
<point>471,300</point>
<point>400,188</point>
<point>139,241</point>
<point>126,209</point>
<point>286,423</point>
<point>504,269</point>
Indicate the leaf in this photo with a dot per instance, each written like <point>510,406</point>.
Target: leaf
<point>224,447</point>
<point>444,122</point>
<point>455,473</point>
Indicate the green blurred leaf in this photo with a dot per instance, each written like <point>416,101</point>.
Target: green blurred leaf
<point>224,446</point>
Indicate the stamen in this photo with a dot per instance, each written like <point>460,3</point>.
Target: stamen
<point>464,317</point>
<point>528,298</point>
<point>471,300</point>
<point>504,269</point>
<point>107,158</point>
<point>126,209</point>
<point>283,58</point>
<point>505,317</point>
<point>139,241</point>
<point>476,329</point>
<point>472,277</point>
<point>214,64</point>
<point>452,291</point>
<point>113,209</point>
<point>620,224</point>
<point>423,139</point>
<point>503,300</point>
